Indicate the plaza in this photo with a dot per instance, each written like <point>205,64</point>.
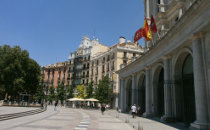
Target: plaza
<point>80,119</point>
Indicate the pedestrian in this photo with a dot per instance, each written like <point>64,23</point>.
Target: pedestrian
<point>133,109</point>
<point>102,108</point>
<point>56,103</point>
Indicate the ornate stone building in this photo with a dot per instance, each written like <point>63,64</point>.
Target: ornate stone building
<point>172,79</point>
<point>109,62</point>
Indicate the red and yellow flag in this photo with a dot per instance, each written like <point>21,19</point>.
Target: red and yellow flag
<point>153,26</point>
<point>147,32</point>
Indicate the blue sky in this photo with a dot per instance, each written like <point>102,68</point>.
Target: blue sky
<point>51,29</point>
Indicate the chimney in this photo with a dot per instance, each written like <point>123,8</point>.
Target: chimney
<point>122,40</point>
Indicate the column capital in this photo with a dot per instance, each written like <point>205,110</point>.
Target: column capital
<point>197,35</point>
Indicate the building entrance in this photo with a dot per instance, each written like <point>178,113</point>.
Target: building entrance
<point>160,94</point>
<point>129,95</point>
<point>141,95</point>
<point>188,91</point>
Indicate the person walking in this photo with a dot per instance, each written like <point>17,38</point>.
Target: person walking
<point>133,109</point>
<point>56,103</point>
<point>102,108</point>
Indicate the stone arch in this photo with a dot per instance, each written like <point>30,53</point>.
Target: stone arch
<point>141,82</point>
<point>184,86</point>
<point>178,61</point>
<point>158,89</point>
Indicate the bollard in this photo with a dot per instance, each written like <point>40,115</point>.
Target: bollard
<point>139,126</point>
<point>117,115</point>
<point>126,119</point>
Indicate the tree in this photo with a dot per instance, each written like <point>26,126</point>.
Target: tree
<point>40,96</point>
<point>81,91</point>
<point>18,72</point>
<point>52,95</point>
<point>103,92</point>
<point>69,92</point>
<point>61,92</point>
<point>90,90</point>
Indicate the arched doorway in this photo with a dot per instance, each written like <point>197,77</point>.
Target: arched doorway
<point>141,94</point>
<point>188,91</point>
<point>158,85</point>
<point>160,95</point>
<point>129,94</point>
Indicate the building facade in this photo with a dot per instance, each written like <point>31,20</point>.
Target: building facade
<point>109,62</point>
<point>172,79</point>
<point>91,62</point>
<point>55,74</point>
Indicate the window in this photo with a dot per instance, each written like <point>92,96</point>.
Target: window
<point>113,65</point>
<point>124,61</point>
<point>107,67</point>
<point>103,69</point>
<point>113,56</point>
<point>125,54</point>
<point>108,58</point>
<point>158,3</point>
<point>134,54</point>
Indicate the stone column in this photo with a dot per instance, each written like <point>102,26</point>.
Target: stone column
<point>167,90</point>
<point>134,91</point>
<point>200,85</point>
<point>148,112</point>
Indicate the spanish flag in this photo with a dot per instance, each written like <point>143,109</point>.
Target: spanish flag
<point>147,32</point>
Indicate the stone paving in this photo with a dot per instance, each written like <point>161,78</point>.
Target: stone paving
<point>9,110</point>
<point>80,119</point>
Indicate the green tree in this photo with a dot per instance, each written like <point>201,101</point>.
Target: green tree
<point>52,95</point>
<point>103,92</point>
<point>18,72</point>
<point>40,96</point>
<point>90,90</point>
<point>69,92</point>
<point>61,92</point>
<point>81,91</point>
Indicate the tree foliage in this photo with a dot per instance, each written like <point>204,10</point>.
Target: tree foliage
<point>52,95</point>
<point>103,92</point>
<point>90,90</point>
<point>61,92</point>
<point>70,92</point>
<point>18,72</point>
<point>39,94</point>
<point>81,91</point>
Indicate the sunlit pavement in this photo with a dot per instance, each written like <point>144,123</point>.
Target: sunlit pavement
<point>80,119</point>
